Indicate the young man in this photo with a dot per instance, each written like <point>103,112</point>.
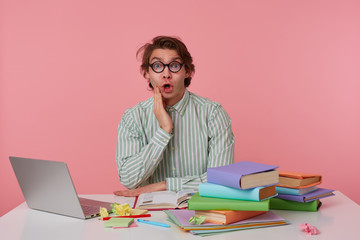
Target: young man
<point>168,141</point>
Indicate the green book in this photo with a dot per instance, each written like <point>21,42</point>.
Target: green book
<point>119,222</point>
<point>282,204</point>
<point>197,202</point>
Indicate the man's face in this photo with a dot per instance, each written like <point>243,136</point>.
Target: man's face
<point>171,84</point>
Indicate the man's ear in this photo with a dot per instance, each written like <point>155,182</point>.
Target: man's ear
<point>147,76</point>
<point>187,74</point>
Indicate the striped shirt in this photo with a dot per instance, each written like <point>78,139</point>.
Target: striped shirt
<point>202,138</point>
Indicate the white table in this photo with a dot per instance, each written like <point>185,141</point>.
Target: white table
<point>338,218</point>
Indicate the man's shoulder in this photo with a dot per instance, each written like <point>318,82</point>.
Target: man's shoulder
<point>207,107</point>
<point>210,109</point>
<point>140,108</point>
<point>202,101</point>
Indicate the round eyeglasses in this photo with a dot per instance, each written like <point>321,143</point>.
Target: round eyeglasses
<point>173,66</point>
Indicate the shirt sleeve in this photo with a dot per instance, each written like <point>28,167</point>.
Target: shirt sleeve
<point>137,160</point>
<point>221,150</point>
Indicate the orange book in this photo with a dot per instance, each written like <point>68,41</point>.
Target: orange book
<point>298,180</point>
<point>226,216</point>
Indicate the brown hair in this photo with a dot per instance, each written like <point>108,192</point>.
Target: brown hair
<point>166,42</point>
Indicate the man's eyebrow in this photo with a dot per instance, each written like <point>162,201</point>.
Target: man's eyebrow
<point>177,58</point>
<point>160,59</point>
<point>155,58</point>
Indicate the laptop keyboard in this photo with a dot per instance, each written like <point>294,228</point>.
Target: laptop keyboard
<point>92,207</point>
<point>90,210</point>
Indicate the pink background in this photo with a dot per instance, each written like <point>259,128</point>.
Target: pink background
<point>286,71</point>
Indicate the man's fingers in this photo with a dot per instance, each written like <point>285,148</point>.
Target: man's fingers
<point>122,193</point>
<point>158,98</point>
<point>117,193</point>
<point>127,193</point>
<point>158,102</point>
<point>161,115</point>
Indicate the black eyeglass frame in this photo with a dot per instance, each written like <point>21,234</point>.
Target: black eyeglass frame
<point>166,65</point>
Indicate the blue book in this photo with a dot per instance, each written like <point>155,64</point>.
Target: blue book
<point>220,191</point>
<point>295,191</point>
<point>244,175</point>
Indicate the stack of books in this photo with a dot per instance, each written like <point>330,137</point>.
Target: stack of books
<point>236,196</point>
<point>235,192</point>
<point>299,192</point>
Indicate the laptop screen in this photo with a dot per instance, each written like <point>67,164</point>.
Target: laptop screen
<point>47,186</point>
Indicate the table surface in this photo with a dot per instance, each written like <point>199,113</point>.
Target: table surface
<point>338,218</point>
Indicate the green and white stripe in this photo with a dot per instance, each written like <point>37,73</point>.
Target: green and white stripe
<point>202,138</point>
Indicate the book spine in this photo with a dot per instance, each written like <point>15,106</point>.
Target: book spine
<point>291,191</point>
<point>319,193</point>
<point>282,204</point>
<point>228,204</point>
<point>295,191</point>
<point>219,191</point>
<point>296,198</point>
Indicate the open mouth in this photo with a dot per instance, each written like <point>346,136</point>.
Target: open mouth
<point>167,88</point>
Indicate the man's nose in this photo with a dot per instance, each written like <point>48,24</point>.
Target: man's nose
<point>166,73</point>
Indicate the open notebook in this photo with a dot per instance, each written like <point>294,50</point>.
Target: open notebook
<point>47,186</point>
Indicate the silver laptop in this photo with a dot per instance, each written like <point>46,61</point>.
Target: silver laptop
<point>47,186</point>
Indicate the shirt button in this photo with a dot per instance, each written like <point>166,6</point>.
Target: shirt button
<point>154,160</point>
<point>174,169</point>
<point>164,139</point>
<point>172,148</point>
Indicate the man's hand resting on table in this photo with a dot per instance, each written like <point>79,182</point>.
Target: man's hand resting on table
<point>160,186</point>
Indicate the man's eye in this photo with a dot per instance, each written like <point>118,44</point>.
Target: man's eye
<point>157,65</point>
<point>175,65</point>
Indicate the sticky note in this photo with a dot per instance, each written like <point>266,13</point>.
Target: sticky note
<point>131,226</point>
<point>118,222</point>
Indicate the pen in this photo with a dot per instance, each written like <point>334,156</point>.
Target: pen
<point>131,216</point>
<point>154,223</point>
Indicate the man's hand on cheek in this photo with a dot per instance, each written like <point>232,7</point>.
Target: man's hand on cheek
<point>161,115</point>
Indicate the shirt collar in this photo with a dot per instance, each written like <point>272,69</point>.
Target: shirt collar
<point>181,105</point>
